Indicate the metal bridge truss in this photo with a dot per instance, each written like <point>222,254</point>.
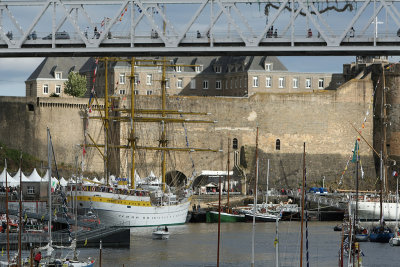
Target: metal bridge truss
<point>199,27</point>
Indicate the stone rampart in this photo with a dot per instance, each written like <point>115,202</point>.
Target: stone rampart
<point>321,119</point>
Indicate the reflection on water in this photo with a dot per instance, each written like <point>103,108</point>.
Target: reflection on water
<point>196,245</point>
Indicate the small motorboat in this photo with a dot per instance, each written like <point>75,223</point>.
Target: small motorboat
<point>161,233</point>
<point>337,228</point>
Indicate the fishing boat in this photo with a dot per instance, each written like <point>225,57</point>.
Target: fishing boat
<point>133,204</point>
<point>161,233</point>
<point>212,216</point>
<point>262,217</point>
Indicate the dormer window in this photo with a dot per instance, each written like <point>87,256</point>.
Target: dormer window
<point>179,68</point>
<point>58,75</point>
<point>218,69</point>
<point>199,68</point>
<point>268,66</point>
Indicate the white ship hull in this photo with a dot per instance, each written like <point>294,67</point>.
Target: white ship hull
<point>130,210</point>
<point>370,210</point>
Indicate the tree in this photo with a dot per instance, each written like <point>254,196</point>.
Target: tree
<point>75,85</point>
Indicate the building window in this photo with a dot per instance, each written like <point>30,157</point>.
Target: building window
<point>268,82</point>
<point>199,68</point>
<point>136,79</point>
<point>235,143</point>
<point>179,68</point>
<point>193,84</point>
<point>278,144</point>
<point>268,66</point>
<point>122,91</point>
<point>240,82</point>
<point>136,92</point>
<point>166,83</point>
<point>58,76</point>
<point>218,84</point>
<point>295,82</point>
<point>281,82</point>
<point>308,82</point>
<point>179,83</point>
<point>236,83</point>
<point>149,92</point>
<point>218,69</point>
<point>45,89</point>
<point>205,84</point>
<point>31,190</point>
<point>122,78</point>
<point>321,83</point>
<point>58,89</point>
<point>255,81</point>
<point>149,79</point>
<point>226,84</point>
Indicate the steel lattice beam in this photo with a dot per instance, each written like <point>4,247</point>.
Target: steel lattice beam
<point>202,27</point>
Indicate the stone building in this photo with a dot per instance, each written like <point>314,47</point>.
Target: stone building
<point>199,76</point>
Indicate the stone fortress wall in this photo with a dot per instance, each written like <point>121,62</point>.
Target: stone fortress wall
<point>321,119</point>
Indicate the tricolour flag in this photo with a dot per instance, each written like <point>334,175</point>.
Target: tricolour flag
<point>355,152</point>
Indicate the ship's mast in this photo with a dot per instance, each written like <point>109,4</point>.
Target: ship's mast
<point>132,139</point>
<point>106,122</point>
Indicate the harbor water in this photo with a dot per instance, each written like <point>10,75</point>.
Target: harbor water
<point>196,245</point>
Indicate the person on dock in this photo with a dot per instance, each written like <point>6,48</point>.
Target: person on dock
<point>38,258</point>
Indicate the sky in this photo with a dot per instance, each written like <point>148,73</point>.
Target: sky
<point>15,71</point>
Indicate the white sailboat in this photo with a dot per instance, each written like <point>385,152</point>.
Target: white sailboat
<point>147,204</point>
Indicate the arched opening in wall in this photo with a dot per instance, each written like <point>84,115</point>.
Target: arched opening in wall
<point>278,144</point>
<point>235,143</point>
<point>175,178</point>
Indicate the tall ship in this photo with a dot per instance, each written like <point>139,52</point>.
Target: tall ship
<point>135,202</point>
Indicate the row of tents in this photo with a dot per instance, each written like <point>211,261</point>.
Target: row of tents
<point>35,177</point>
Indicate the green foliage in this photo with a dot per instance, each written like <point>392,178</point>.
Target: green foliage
<point>75,85</point>
<point>54,95</point>
<point>13,157</point>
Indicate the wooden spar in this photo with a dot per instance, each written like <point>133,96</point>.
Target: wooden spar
<point>20,214</point>
<point>227,205</point>
<point>7,218</point>
<point>302,205</point>
<point>254,204</point>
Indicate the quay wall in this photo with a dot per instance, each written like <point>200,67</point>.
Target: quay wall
<point>321,119</point>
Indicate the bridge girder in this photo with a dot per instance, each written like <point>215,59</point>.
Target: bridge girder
<point>197,27</point>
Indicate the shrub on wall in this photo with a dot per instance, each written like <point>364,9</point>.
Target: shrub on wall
<point>75,85</point>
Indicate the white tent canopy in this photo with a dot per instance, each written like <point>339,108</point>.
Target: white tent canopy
<point>35,177</point>
<point>63,182</point>
<point>20,176</point>
<point>10,180</point>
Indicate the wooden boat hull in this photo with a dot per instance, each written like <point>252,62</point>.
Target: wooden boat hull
<point>212,217</point>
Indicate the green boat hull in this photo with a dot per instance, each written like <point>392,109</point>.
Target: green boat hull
<point>212,217</point>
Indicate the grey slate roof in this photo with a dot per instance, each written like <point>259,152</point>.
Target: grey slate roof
<point>50,65</point>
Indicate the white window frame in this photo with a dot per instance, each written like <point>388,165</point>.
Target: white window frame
<point>167,83</point>
<point>226,84</point>
<point>296,82</point>
<point>218,69</point>
<point>136,92</point>
<point>179,83</point>
<point>45,89</point>
<point>30,190</point>
<point>136,81</point>
<point>59,91</point>
<point>122,78</point>
<point>218,85</point>
<point>58,75</point>
<point>193,84</point>
<point>321,83</point>
<point>149,79</point>
<point>122,91</point>
<point>255,81</point>
<point>308,83</point>
<point>149,92</point>
<point>179,68</point>
<point>281,82</point>
<point>205,84</point>
<point>199,68</point>
<point>268,66</point>
<point>268,81</point>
